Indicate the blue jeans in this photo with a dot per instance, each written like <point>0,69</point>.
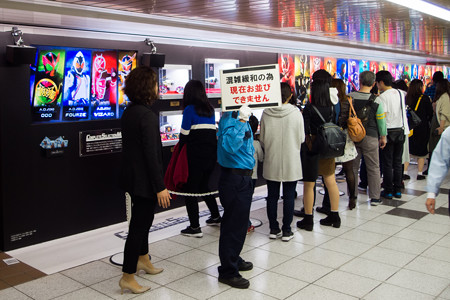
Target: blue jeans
<point>273,194</point>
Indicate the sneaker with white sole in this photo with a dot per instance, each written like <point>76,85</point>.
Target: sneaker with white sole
<point>287,236</point>
<point>275,233</point>
<point>194,232</point>
<point>214,222</point>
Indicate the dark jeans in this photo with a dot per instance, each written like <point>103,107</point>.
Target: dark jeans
<point>142,215</point>
<point>235,192</point>
<point>363,173</point>
<point>192,209</point>
<point>273,194</point>
<point>392,166</point>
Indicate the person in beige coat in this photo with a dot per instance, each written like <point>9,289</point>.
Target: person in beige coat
<point>281,136</point>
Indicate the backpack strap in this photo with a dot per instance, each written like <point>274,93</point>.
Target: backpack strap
<point>318,113</point>
<point>401,106</point>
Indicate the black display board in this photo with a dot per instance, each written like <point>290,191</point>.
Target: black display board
<point>48,197</point>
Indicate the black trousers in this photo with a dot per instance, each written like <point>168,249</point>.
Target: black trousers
<point>142,215</point>
<point>192,209</point>
<point>235,192</point>
<point>392,166</point>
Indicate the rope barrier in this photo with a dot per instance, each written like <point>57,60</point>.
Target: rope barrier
<point>193,195</point>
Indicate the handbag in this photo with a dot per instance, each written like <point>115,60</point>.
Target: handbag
<point>330,140</point>
<point>397,135</point>
<point>413,119</point>
<point>355,128</point>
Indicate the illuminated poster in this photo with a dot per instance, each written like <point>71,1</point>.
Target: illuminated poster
<point>127,62</point>
<point>383,66</point>
<point>374,66</point>
<point>48,87</point>
<point>399,70</point>
<point>414,72</point>
<point>427,75</point>
<point>364,65</point>
<point>330,66</point>
<point>406,76</point>
<point>342,70</point>
<point>104,85</point>
<point>316,64</point>
<point>445,71</point>
<point>77,85</point>
<point>287,69</point>
<point>353,76</point>
<point>421,73</point>
<point>392,68</point>
<point>302,78</point>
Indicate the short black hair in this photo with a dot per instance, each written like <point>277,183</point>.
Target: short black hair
<point>385,77</point>
<point>438,75</point>
<point>253,121</point>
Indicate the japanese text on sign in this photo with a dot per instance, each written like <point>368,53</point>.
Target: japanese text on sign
<point>256,86</point>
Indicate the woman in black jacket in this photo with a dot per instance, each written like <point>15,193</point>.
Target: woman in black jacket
<point>142,174</point>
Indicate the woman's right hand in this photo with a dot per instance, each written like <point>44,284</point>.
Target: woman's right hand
<point>164,198</point>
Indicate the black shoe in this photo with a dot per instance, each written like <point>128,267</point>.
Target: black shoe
<point>245,266</point>
<point>362,187</point>
<point>189,231</point>
<point>323,210</point>
<point>287,236</point>
<point>236,282</point>
<point>299,213</point>
<point>351,203</point>
<point>406,177</point>
<point>386,195</point>
<point>398,195</point>
<point>420,177</point>
<point>333,219</point>
<point>214,222</point>
<point>425,172</point>
<point>375,202</point>
<point>275,233</point>
<point>307,223</point>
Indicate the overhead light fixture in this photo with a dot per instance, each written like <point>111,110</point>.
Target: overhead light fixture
<point>425,7</point>
<point>149,42</point>
<point>152,59</point>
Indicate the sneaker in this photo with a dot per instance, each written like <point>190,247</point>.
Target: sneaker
<point>362,187</point>
<point>287,236</point>
<point>375,202</point>
<point>275,233</point>
<point>421,177</point>
<point>250,228</point>
<point>194,232</point>
<point>214,222</point>
<point>406,177</point>
<point>398,195</point>
<point>386,195</point>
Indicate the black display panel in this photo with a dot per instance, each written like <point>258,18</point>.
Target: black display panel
<point>76,84</point>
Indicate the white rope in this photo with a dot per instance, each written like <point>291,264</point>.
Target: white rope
<point>193,195</point>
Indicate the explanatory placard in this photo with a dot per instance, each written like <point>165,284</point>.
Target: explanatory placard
<point>259,86</point>
<point>104,141</point>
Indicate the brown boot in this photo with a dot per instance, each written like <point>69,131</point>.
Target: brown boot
<point>127,282</point>
<point>145,264</point>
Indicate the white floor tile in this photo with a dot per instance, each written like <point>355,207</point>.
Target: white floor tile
<point>86,293</point>
<point>419,282</point>
<point>444,242</point>
<point>445,294</point>
<point>198,286</point>
<point>312,238</point>
<point>327,258</point>
<point>381,228</point>
<point>314,292</point>
<point>111,287</point>
<point>347,283</point>
<point>13,294</point>
<point>49,287</point>
<point>195,259</point>
<point>430,227</point>
<point>437,252</point>
<point>302,270</point>
<point>369,268</point>
<point>264,259</point>
<point>257,239</point>
<point>392,292</point>
<point>172,272</point>
<point>166,248</point>
<point>276,285</point>
<point>93,272</point>
<point>240,294</point>
<point>163,293</point>
<point>365,237</point>
<point>362,214</point>
<point>430,266</point>
<point>417,235</point>
<point>290,248</point>
<point>346,246</point>
<point>388,256</point>
<point>394,220</point>
<point>194,242</point>
<point>404,245</point>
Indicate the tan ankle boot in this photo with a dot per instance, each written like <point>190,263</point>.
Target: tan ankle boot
<point>127,282</point>
<point>145,264</point>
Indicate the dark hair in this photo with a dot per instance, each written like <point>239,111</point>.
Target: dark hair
<point>438,75</point>
<point>339,84</point>
<point>141,86</point>
<point>195,94</point>
<point>442,87</point>
<point>253,121</point>
<point>286,92</point>
<point>414,91</point>
<point>385,77</point>
<point>367,78</point>
<point>320,88</point>
<point>400,85</point>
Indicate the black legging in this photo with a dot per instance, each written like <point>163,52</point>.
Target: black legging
<point>349,178</point>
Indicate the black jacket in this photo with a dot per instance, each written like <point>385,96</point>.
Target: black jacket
<point>142,171</point>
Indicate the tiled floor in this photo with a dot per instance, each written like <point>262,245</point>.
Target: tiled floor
<point>392,251</point>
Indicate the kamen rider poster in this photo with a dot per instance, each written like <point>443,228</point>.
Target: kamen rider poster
<point>330,66</point>
<point>427,75</point>
<point>421,73</point>
<point>287,69</point>
<point>414,72</point>
<point>392,68</point>
<point>399,70</point>
<point>104,85</point>
<point>77,85</point>
<point>383,66</point>
<point>48,84</point>
<point>445,71</point>
<point>374,66</point>
<point>302,78</point>
<point>316,64</point>
<point>406,76</point>
<point>364,65</point>
<point>353,76</point>
<point>342,70</point>
<point>127,62</point>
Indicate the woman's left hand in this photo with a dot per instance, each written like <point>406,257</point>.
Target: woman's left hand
<point>164,198</point>
<point>440,130</point>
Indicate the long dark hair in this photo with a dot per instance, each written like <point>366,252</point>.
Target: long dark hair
<point>414,92</point>
<point>442,87</point>
<point>320,88</point>
<point>195,94</point>
<point>141,86</point>
<point>339,84</point>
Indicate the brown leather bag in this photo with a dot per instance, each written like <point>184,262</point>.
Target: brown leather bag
<point>355,128</point>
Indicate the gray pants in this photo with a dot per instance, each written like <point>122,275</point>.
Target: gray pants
<point>369,148</point>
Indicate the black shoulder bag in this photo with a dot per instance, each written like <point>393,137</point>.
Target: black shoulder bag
<point>397,135</point>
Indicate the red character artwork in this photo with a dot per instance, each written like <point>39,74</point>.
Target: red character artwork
<point>287,68</point>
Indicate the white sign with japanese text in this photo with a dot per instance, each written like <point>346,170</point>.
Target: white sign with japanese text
<point>258,86</point>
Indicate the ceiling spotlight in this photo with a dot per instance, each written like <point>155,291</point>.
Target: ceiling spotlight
<point>150,43</point>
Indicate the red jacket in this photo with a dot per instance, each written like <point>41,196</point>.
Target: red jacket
<point>177,171</point>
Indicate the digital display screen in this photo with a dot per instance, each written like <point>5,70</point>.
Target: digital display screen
<point>73,84</point>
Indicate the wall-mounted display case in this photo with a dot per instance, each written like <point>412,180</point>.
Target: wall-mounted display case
<point>173,79</point>
<point>170,126</point>
<point>212,74</point>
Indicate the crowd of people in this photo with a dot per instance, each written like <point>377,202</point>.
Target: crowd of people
<point>286,146</point>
